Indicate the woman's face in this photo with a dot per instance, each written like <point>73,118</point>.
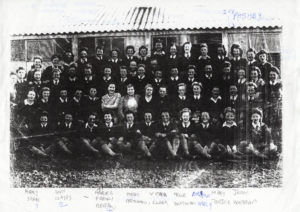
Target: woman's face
<point>149,91</point>
<point>37,62</point>
<point>229,117</point>
<point>37,75</point>
<point>215,92</point>
<point>93,92</point>
<point>162,92</point>
<point>241,74</point>
<point>191,73</point>
<point>250,56</point>
<point>83,54</point>
<point>91,119</point>
<point>13,79</point>
<point>114,54</point>
<point>141,71</point>
<point>173,50</point>
<point>78,94</point>
<point>165,116</point>
<point>55,61</point>
<point>130,91</point>
<point>68,118</point>
<point>130,52</point>
<point>205,117</point>
<point>99,52</point>
<point>236,52</point>
<point>107,118</point>
<point>203,51</point>
<point>220,51</point>
<point>255,118</point>
<point>262,57</point>
<point>272,76</point>
<point>111,88</point>
<point>46,94</point>
<point>143,52</point>
<point>181,90</point>
<point>196,90</point>
<point>187,48</point>
<point>254,74</point>
<point>185,116</point>
<point>31,95</point>
<point>158,46</point>
<point>107,72</point>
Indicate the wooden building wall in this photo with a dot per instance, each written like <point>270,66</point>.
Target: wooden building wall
<point>24,48</point>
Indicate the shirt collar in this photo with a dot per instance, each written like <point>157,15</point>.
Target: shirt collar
<point>221,57</point>
<point>197,96</point>
<point>26,102</point>
<point>159,53</point>
<point>75,99</point>
<point>72,79</point>
<point>256,125</point>
<point>187,54</point>
<point>148,124</point>
<point>233,97</point>
<point>43,125</point>
<point>208,75</point>
<point>274,83</point>
<point>148,99</point>
<point>237,58</point>
<point>241,81</point>
<point>92,98</point>
<point>44,101</point>
<point>188,124</point>
<point>166,124</point>
<point>90,127</point>
<point>205,125</point>
<point>174,78</point>
<point>90,78</point>
<point>182,97</point>
<point>106,78</point>
<point>251,62</point>
<point>216,100</point>
<point>129,125</point>
<point>141,77</point>
<point>173,56</point>
<point>109,125</point>
<point>202,57</point>
<point>68,124</point>
<point>225,124</point>
<point>157,80</point>
<point>251,97</point>
<point>63,100</point>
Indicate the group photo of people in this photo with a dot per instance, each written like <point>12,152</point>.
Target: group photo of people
<point>158,106</point>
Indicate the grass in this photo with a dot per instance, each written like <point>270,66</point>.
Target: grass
<point>128,172</point>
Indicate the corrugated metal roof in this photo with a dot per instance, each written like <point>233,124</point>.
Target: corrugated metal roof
<point>129,18</point>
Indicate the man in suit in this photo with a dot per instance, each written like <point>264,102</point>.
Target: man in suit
<point>98,62</point>
<point>129,55</point>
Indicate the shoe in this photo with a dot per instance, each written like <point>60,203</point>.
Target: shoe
<point>189,157</point>
<point>118,156</point>
<point>177,158</point>
<point>139,157</point>
<point>150,158</point>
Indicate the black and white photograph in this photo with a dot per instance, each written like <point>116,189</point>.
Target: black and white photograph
<point>147,95</point>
